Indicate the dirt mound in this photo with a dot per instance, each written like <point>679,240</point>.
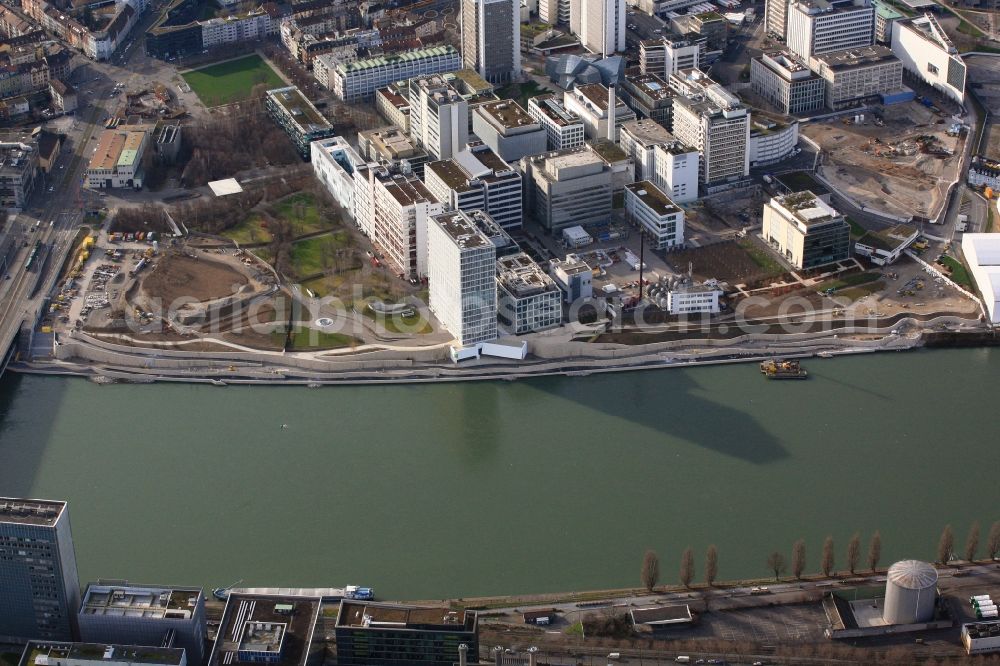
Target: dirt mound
<point>179,276</point>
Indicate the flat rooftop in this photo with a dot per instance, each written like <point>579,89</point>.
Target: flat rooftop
<point>30,511</point>
<point>522,277</point>
<point>609,151</point>
<point>552,108</point>
<point>861,56</point>
<point>51,653</point>
<point>658,615</point>
<point>251,622</point>
<point>506,115</point>
<point>807,208</point>
<point>393,97</point>
<point>596,93</point>
<point>140,601</point>
<point>462,231</point>
<point>650,85</point>
<point>363,615</point>
<point>398,58</point>
<point>654,198</point>
<point>450,174</point>
<point>889,239</point>
<point>648,132</point>
<point>406,190</point>
<point>299,108</point>
<point>800,181</point>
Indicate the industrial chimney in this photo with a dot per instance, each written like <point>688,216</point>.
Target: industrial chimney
<point>612,107</point>
<point>463,654</point>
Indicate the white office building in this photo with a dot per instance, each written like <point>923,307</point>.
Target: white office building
<point>713,120</point>
<point>359,79</point>
<point>592,103</point>
<point>439,117</point>
<point>928,54</point>
<point>491,39</point>
<point>659,218</point>
<point>820,26</point>
<point>335,164</point>
<point>858,75</point>
<point>776,18</point>
<point>676,171</point>
<point>694,299</point>
<point>528,300</point>
<point>563,128</point>
<point>639,139</point>
<point>982,253</point>
<point>785,80</point>
<point>508,129</point>
<point>398,216</point>
<point>669,55</point>
<point>772,141</point>
<point>462,278</point>
<point>602,26</point>
<point>477,179</point>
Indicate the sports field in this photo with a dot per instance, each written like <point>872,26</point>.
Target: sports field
<point>231,81</point>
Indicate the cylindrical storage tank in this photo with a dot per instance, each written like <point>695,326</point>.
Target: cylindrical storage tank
<point>910,592</point>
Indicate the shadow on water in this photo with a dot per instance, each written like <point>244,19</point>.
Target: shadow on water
<point>27,417</point>
<point>667,402</point>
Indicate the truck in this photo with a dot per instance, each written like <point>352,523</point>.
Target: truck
<point>359,593</point>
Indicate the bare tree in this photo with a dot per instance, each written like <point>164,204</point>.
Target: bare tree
<point>650,575</point>
<point>826,563</point>
<point>946,545</point>
<point>875,551</point>
<point>853,552</point>
<point>711,564</point>
<point>776,563</point>
<point>798,558</point>
<point>687,567</point>
<point>993,542</point>
<point>972,542</point>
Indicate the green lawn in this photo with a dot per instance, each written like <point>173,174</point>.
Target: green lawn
<point>302,210</point>
<point>414,325</point>
<point>251,230</point>
<point>958,272</point>
<point>857,231</point>
<point>307,338</point>
<point>760,257</point>
<point>852,280</point>
<point>314,255</point>
<point>231,81</point>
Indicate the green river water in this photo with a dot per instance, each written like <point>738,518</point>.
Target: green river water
<point>466,489</point>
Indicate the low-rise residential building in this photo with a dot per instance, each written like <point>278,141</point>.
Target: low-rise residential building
<point>528,300</point>
<point>359,79</point>
<point>927,53</point>
<point>649,97</point>
<point>772,141</point>
<point>18,173</point>
<point>858,75</point>
<point>659,218</point>
<point>246,27</point>
<point>390,145</point>
<point>694,299</point>
<point>984,172</point>
<point>784,80</point>
<point>375,634</point>
<point>270,629</point>
<point>677,171</point>
<point>117,161</point>
<point>143,615</point>
<point>335,164</point>
<point>886,246</point>
<point>461,277</point>
<point>52,653</point>
<point>477,179</point>
<point>597,106</point>
<point>509,130</point>
<point>639,139</point>
<point>439,117</point>
<point>567,188</point>
<point>63,96</point>
<point>713,120</point>
<point>805,230</point>
<point>563,128</point>
<point>98,36</point>
<point>574,277</point>
<point>302,122</point>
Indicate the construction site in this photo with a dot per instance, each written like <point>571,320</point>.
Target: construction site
<point>899,162</point>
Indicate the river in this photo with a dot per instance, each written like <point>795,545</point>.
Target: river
<point>466,489</point>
